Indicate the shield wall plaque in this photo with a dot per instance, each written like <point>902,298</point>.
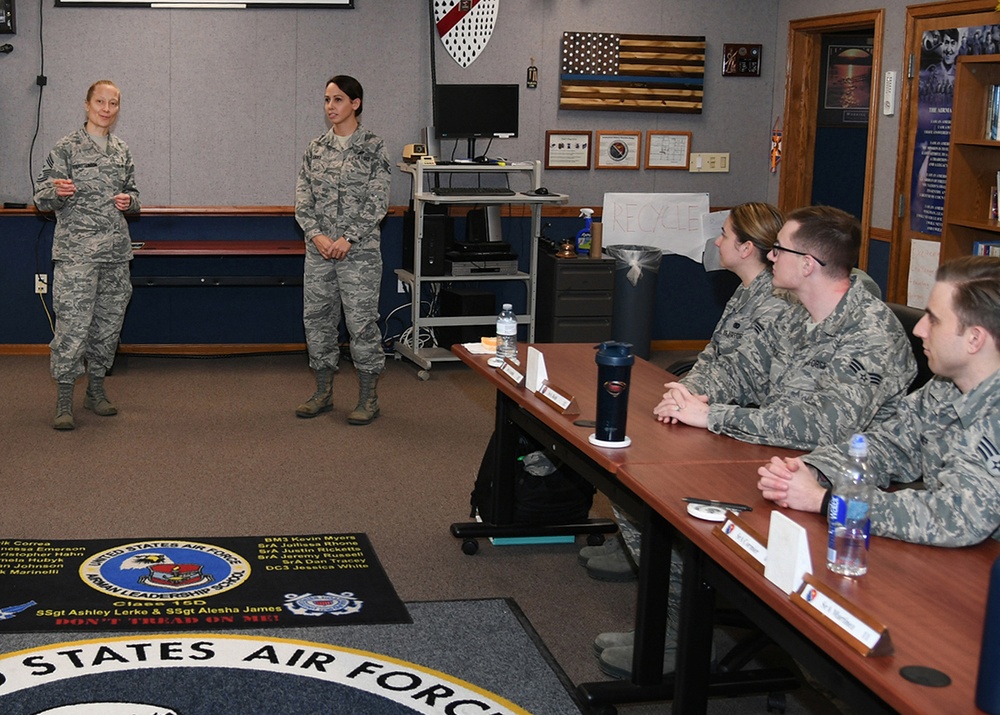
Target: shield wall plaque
<point>465,26</point>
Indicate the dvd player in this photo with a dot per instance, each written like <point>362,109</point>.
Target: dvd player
<point>467,247</point>
<point>506,267</point>
<point>470,264</point>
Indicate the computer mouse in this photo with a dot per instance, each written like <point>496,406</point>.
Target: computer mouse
<point>541,191</point>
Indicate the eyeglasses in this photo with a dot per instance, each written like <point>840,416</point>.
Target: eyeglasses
<point>777,247</point>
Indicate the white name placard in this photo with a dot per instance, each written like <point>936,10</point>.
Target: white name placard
<point>536,373</point>
<point>788,559</point>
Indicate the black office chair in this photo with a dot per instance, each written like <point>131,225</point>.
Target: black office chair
<point>909,317</point>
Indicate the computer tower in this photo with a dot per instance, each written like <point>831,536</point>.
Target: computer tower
<point>438,236</point>
<point>458,301</point>
<point>483,224</point>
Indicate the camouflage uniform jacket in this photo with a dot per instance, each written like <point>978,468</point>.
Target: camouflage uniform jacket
<point>343,193</point>
<point>815,384</point>
<point>752,308</point>
<point>89,227</point>
<point>952,442</point>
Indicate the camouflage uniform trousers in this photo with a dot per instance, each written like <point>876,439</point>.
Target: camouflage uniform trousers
<point>352,284</point>
<point>89,300</point>
<point>631,534</point>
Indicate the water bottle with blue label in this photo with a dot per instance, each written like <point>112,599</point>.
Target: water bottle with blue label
<point>849,515</point>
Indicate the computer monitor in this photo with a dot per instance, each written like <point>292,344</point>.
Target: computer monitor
<point>473,111</point>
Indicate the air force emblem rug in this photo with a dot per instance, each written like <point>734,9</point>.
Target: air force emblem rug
<point>189,674</point>
<point>465,26</point>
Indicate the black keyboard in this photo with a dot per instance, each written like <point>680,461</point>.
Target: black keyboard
<point>472,191</point>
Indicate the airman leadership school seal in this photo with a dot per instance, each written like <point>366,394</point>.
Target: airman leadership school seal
<point>165,570</point>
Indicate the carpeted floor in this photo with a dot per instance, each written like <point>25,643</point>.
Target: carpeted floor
<point>212,446</point>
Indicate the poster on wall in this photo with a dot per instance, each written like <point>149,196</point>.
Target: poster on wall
<point>847,82</point>
<point>939,50</point>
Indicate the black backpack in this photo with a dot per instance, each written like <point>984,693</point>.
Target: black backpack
<point>544,493</point>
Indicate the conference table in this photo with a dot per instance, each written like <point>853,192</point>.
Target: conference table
<point>931,600</point>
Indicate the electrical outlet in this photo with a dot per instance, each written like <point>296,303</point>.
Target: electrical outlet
<point>400,288</point>
<point>41,283</point>
<point>702,162</point>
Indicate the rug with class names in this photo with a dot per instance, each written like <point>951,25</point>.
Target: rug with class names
<point>212,583</point>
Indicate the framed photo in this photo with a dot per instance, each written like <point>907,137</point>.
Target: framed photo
<point>7,17</point>
<point>222,4</point>
<point>668,150</point>
<point>567,150</point>
<point>618,150</point>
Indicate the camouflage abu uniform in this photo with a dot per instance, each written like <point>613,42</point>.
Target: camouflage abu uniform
<point>751,310</point>
<point>815,384</point>
<point>752,307</point>
<point>952,442</point>
<point>343,193</point>
<point>91,249</point>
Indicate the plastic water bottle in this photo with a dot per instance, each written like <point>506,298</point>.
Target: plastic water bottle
<point>507,333</point>
<point>849,515</point>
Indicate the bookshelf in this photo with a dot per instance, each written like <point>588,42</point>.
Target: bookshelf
<point>973,160</point>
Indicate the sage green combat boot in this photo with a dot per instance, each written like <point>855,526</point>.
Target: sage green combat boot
<point>322,399</point>
<point>64,407</point>
<point>96,400</point>
<point>367,409</point>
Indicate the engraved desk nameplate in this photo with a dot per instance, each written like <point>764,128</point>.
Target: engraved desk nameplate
<point>509,370</point>
<point>744,541</point>
<point>852,624</point>
<point>558,398</point>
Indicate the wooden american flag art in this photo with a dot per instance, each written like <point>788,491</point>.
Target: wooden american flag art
<point>632,73</point>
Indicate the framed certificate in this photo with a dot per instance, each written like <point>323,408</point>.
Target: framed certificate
<point>618,150</point>
<point>567,150</point>
<point>668,150</point>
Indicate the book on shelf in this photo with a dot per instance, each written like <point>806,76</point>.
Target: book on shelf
<point>995,200</point>
<point>993,113</point>
<point>986,248</point>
